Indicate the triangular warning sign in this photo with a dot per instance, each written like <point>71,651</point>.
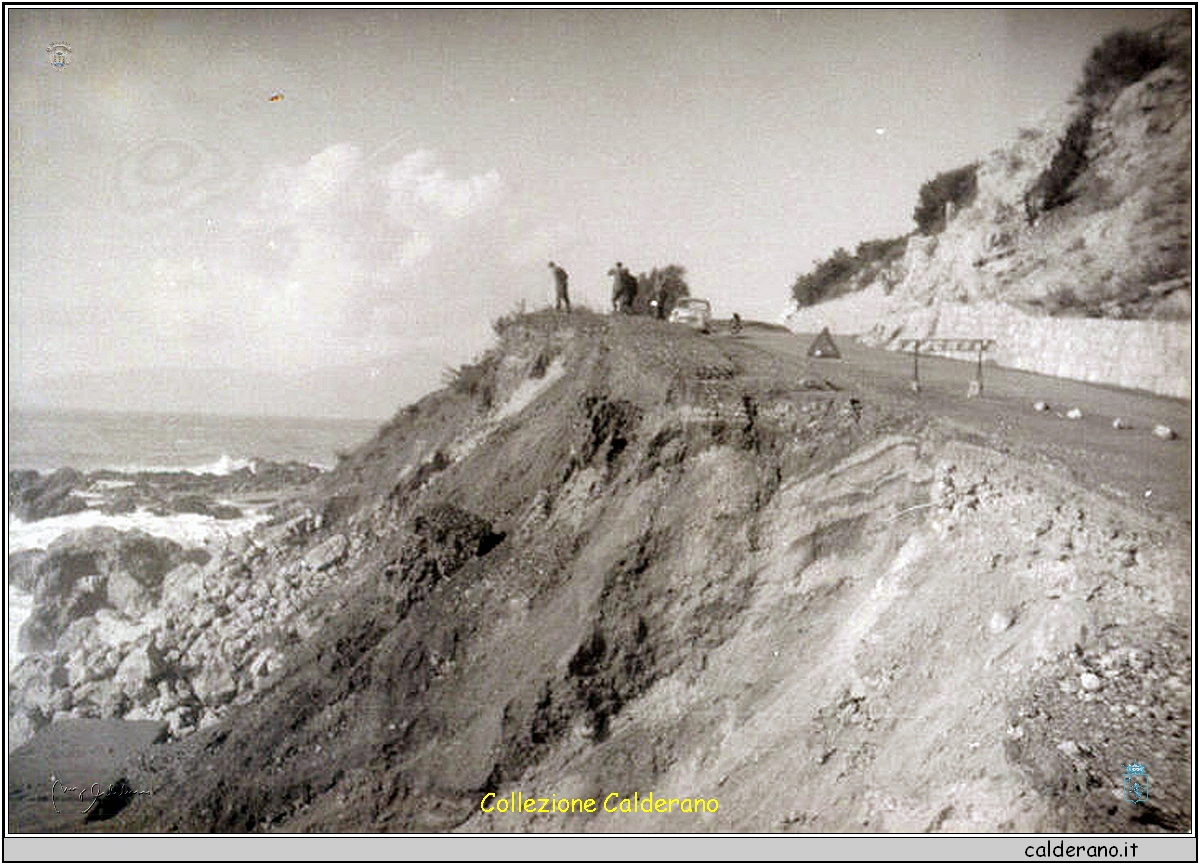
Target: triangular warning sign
<point>823,346</point>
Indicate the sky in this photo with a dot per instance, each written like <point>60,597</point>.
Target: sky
<point>324,209</point>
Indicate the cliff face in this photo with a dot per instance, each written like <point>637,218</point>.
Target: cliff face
<point>1119,249</point>
<point>618,556</point>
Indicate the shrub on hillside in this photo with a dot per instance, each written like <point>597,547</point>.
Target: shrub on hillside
<point>957,186</point>
<point>1121,59</point>
<point>475,379</point>
<point>817,285</point>
<point>842,272</point>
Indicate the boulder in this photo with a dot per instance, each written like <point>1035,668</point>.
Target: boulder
<point>22,727</point>
<point>327,554</point>
<point>102,698</point>
<point>140,671</point>
<point>214,684</point>
<point>1165,432</point>
<point>181,720</point>
<point>115,630</point>
<point>183,585</point>
<point>83,572</point>
<point>129,596</point>
<point>29,685</point>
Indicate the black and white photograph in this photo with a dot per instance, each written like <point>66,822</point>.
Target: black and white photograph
<point>610,424</point>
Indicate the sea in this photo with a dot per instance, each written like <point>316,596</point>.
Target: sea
<point>129,442</point>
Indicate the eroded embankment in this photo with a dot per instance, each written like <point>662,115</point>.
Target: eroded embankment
<point>673,572</point>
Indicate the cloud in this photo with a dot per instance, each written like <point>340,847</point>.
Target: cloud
<point>337,258</point>
<point>419,189</point>
<point>336,253</point>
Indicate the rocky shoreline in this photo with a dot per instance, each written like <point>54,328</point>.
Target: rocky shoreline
<point>36,496</point>
<point>129,625</point>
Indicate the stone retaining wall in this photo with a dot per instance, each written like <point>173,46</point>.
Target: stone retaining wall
<point>1147,355</point>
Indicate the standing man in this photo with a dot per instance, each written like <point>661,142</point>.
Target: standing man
<point>618,290</point>
<point>561,298</point>
<point>660,295</point>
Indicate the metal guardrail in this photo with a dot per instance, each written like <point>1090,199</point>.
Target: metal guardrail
<point>948,344</point>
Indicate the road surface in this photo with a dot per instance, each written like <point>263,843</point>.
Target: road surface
<point>1132,464</point>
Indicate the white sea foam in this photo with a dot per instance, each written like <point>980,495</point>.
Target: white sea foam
<point>190,530</point>
<point>221,466</point>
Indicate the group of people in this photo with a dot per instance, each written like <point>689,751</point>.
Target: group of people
<point>625,286</point>
<point>625,289</point>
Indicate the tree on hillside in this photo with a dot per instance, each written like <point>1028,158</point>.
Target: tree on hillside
<point>673,285</point>
<point>957,187</point>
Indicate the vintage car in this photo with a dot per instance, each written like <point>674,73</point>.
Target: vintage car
<point>695,312</point>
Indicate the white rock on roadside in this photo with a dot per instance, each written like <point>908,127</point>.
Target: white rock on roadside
<point>1074,414</point>
<point>1165,432</point>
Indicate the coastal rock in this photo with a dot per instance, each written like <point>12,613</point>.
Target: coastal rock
<point>33,497</point>
<point>443,539</point>
<point>181,720</point>
<point>289,531</point>
<point>128,595</point>
<point>79,637</point>
<point>198,504</point>
<point>83,572</point>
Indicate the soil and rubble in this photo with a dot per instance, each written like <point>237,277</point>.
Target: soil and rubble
<point>617,555</point>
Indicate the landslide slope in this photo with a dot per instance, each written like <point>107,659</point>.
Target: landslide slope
<point>618,556</point>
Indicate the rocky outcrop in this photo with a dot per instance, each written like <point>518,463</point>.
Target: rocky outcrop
<point>1038,281</point>
<point>32,497</point>
<point>84,572</point>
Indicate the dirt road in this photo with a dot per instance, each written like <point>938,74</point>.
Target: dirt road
<point>1130,463</point>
